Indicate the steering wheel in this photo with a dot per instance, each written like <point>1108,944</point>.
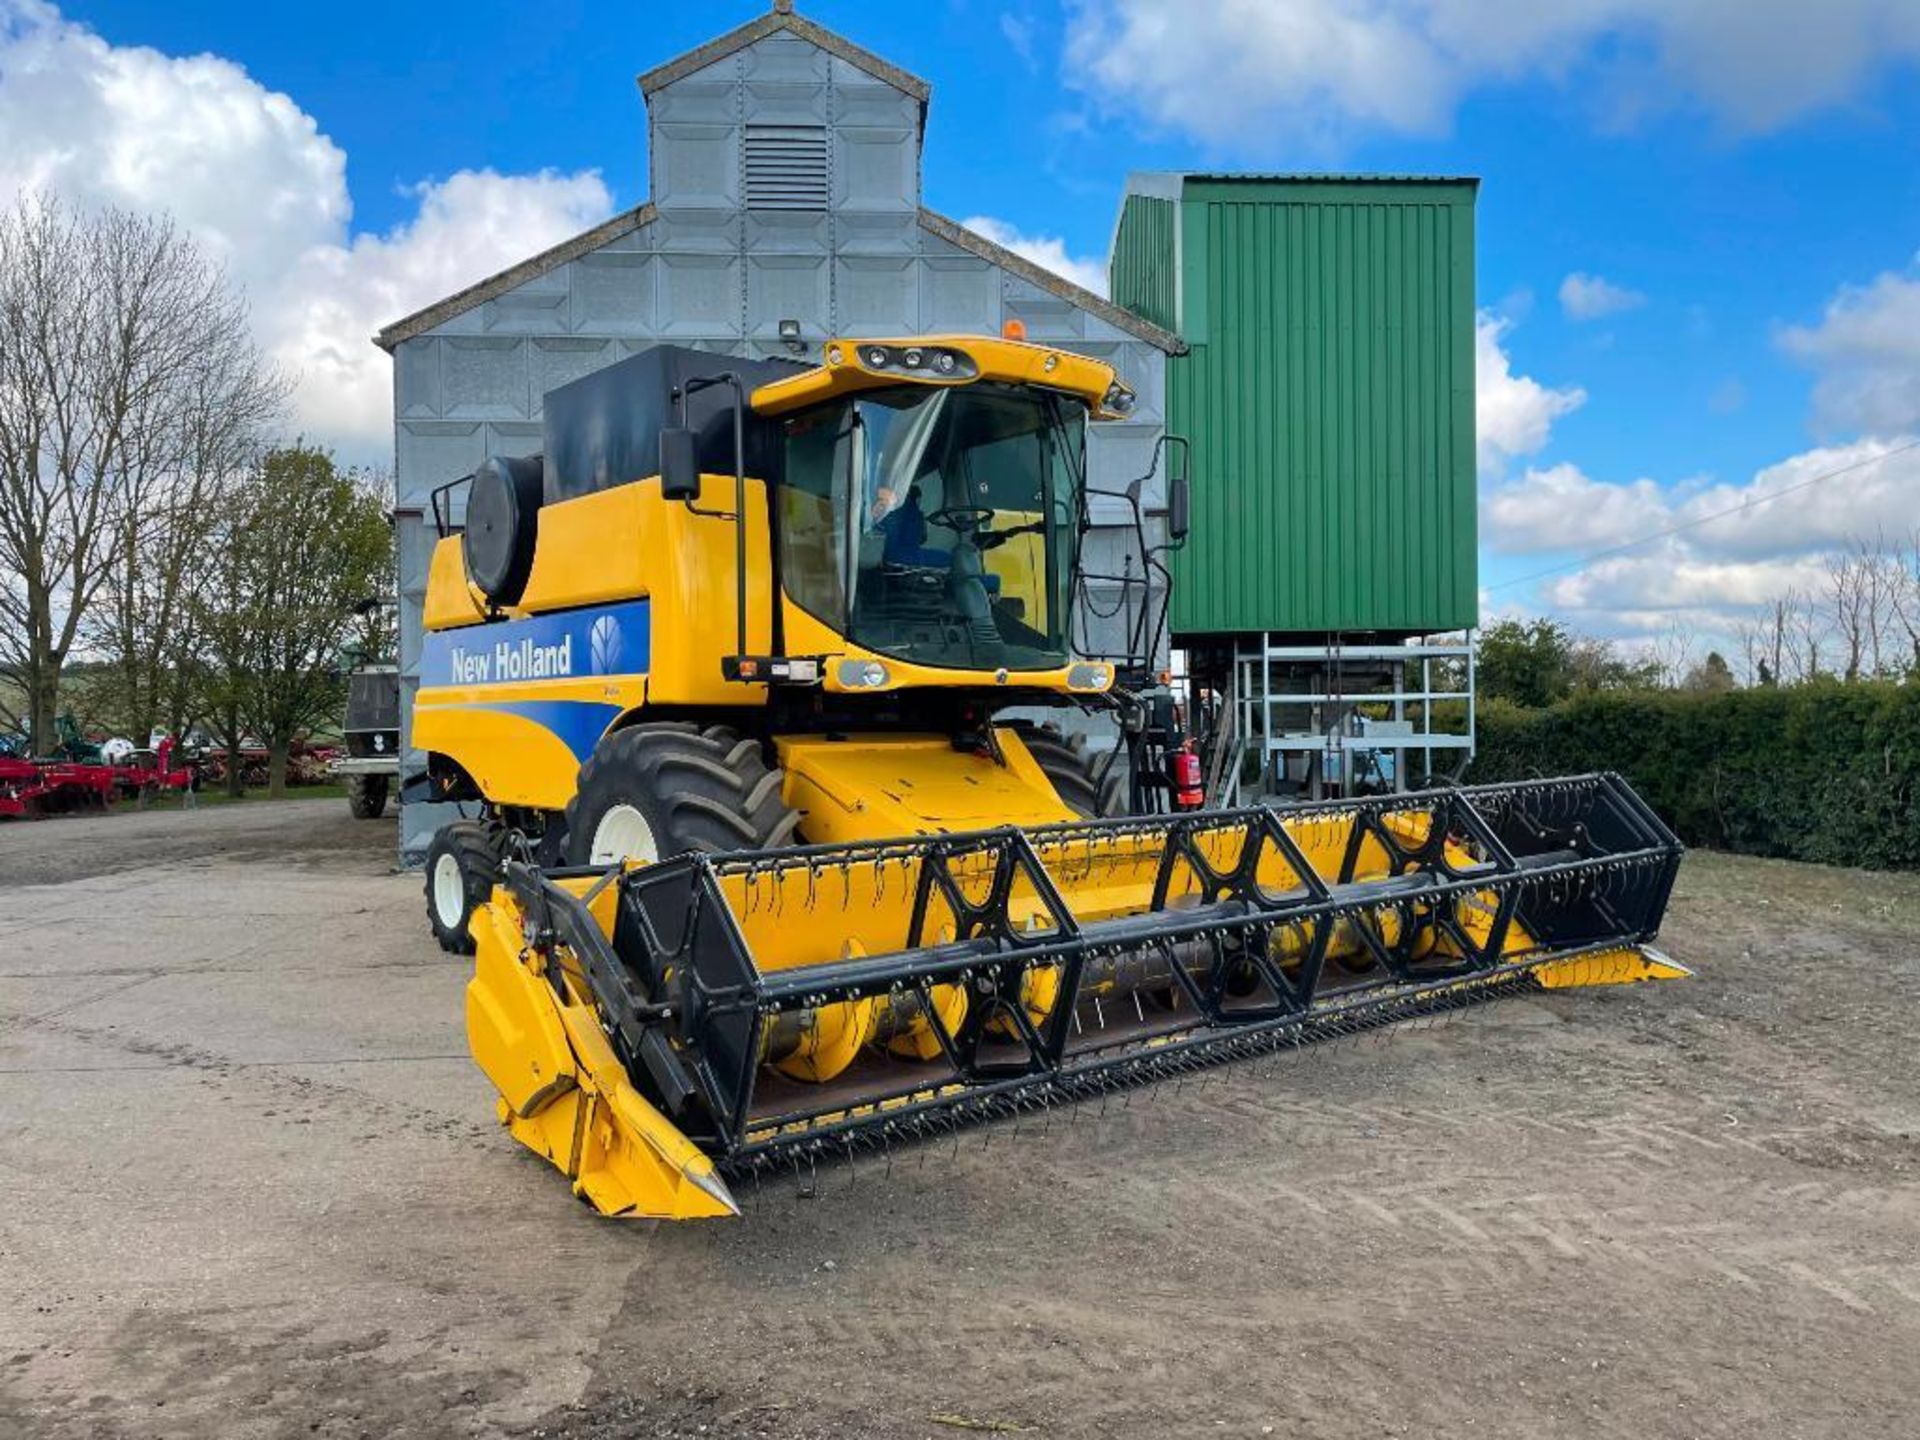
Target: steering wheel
<point>962,519</point>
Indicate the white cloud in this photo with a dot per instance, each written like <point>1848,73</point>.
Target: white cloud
<point>1515,412</point>
<point>1708,578</point>
<point>1560,508</point>
<point>1017,31</point>
<point>1222,70</point>
<point>1671,580</point>
<point>1784,510</point>
<point>470,225</point>
<point>1592,297</point>
<point>1736,546</point>
<point>1866,349</point>
<point>1258,74</point>
<point>1868,495</point>
<point>1047,251</point>
<point>251,176</point>
<point>243,167</point>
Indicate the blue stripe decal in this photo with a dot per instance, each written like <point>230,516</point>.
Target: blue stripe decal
<point>567,645</point>
<point>578,724</point>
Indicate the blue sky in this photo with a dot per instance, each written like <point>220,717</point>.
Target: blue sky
<point>1744,182</point>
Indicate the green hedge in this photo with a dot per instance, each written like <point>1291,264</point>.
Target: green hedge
<point>1824,772</point>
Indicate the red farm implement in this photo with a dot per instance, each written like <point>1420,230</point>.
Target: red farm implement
<point>307,764</point>
<point>21,786</point>
<point>70,786</point>
<point>59,786</point>
<point>147,774</point>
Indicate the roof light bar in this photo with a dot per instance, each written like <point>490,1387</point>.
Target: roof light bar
<point>918,362</point>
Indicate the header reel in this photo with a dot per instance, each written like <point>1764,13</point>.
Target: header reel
<point>770,1010</point>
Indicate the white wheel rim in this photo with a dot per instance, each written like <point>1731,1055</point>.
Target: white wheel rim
<point>449,892</point>
<point>623,834</point>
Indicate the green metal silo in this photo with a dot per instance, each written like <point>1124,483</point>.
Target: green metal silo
<point>1328,394</point>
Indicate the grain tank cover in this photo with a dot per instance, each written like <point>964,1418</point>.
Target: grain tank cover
<point>604,428</point>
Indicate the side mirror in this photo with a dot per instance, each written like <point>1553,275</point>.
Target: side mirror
<point>1179,507</point>
<point>679,464</point>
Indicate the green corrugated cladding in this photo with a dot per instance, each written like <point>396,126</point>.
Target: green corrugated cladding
<point>1143,259</point>
<point>1328,395</point>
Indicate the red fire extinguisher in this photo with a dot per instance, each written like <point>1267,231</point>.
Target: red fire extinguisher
<point>1184,771</point>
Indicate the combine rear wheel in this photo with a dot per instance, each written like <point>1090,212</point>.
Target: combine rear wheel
<point>651,791</point>
<point>462,864</point>
<point>1086,783</point>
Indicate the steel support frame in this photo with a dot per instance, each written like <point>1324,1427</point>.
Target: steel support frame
<point>1257,657</point>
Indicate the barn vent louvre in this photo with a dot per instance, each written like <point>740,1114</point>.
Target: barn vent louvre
<point>786,167</point>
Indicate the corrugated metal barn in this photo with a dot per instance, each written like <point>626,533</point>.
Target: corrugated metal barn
<point>784,169</point>
<point>1328,395</point>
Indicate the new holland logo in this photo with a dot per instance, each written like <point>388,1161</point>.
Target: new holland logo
<point>605,642</point>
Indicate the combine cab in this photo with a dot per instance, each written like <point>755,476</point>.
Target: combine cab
<point>749,896</point>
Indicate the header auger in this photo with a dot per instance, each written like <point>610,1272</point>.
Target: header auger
<point>728,673</point>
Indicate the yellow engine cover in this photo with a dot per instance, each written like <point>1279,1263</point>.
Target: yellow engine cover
<point>872,787</point>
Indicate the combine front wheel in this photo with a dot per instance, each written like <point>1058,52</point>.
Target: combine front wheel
<point>651,791</point>
<point>462,864</point>
<point>1093,787</point>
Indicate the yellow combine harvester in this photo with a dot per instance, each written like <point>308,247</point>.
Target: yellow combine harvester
<point>764,876</point>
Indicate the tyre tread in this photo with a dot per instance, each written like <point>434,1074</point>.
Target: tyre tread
<point>479,848</point>
<point>703,788</point>
<point>1072,767</point>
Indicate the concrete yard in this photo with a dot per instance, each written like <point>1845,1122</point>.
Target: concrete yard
<point>251,1186</point>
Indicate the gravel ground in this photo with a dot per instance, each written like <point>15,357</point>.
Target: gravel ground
<point>250,1186</point>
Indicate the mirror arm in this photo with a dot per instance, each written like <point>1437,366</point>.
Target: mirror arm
<point>679,398</point>
<point>739,512</point>
<point>1179,494</point>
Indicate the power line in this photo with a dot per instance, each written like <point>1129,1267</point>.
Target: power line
<point>1748,504</point>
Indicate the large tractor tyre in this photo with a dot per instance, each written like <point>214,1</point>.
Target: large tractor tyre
<point>653,791</point>
<point>367,796</point>
<point>1087,784</point>
<point>463,862</point>
<point>503,518</point>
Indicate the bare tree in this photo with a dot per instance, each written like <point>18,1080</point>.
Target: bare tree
<point>1884,577</point>
<point>1775,643</point>
<point>1753,651</point>
<point>120,345</point>
<point>1903,578</point>
<point>1847,601</point>
<point>143,624</point>
<point>1670,654</point>
<point>1803,633</point>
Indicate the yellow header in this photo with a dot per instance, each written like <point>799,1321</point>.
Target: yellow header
<point>944,360</point>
